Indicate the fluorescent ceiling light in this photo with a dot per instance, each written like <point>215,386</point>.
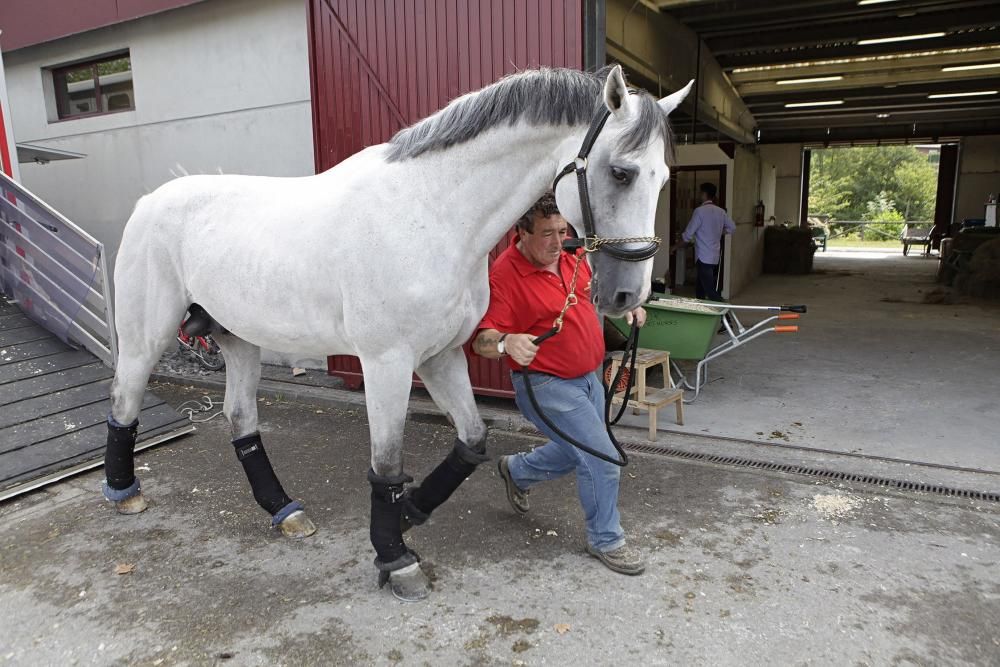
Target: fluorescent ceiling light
<point>977,93</point>
<point>901,38</point>
<point>816,79</point>
<point>873,2</point>
<point>881,115</point>
<point>828,103</point>
<point>959,68</point>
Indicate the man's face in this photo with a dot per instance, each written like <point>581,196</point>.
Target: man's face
<point>542,246</point>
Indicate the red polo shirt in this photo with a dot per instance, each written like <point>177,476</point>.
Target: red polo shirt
<point>526,299</point>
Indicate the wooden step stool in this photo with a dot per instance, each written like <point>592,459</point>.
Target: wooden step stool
<point>648,398</point>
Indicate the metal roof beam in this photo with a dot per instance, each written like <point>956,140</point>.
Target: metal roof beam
<point>855,82</point>
<point>731,16</point>
<point>772,57</point>
<point>887,92</point>
<point>928,61</point>
<point>932,132</point>
<point>850,31</point>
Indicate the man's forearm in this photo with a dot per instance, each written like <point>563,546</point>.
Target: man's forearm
<point>485,343</point>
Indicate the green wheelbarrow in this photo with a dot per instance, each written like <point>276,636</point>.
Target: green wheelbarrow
<point>686,328</point>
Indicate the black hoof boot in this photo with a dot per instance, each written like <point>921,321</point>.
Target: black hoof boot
<point>286,514</point>
<point>397,564</point>
<point>438,486</point>
<point>121,486</point>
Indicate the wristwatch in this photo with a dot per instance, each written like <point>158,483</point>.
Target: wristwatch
<point>501,348</point>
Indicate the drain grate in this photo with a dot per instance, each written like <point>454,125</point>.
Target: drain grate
<point>821,473</point>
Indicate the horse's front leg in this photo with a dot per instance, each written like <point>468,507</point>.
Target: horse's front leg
<point>388,378</point>
<point>240,408</point>
<point>446,376</point>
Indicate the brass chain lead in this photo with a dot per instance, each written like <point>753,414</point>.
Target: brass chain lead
<point>571,298</point>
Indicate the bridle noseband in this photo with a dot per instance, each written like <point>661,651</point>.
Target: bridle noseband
<point>591,242</point>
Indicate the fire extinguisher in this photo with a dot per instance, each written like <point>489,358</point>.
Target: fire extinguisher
<point>758,214</point>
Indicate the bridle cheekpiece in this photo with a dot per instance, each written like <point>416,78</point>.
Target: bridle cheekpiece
<point>591,242</point>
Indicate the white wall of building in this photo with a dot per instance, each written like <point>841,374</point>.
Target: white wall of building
<point>787,161</point>
<point>220,86</point>
<point>978,176</point>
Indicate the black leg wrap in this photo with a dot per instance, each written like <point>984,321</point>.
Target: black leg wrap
<point>438,486</point>
<point>266,488</point>
<point>386,534</point>
<point>119,457</point>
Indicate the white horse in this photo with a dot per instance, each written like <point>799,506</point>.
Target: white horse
<point>383,257</point>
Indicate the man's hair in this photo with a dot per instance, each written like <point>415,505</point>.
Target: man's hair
<point>543,208</point>
<point>709,189</point>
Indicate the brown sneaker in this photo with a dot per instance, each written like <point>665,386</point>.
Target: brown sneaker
<point>624,559</point>
<point>517,498</point>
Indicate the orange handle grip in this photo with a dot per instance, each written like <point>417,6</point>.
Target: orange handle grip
<point>788,316</point>
<point>791,329</point>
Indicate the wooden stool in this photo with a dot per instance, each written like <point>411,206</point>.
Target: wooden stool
<point>648,398</point>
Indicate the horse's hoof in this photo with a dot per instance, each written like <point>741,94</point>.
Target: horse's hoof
<point>410,584</point>
<point>297,525</point>
<point>131,505</point>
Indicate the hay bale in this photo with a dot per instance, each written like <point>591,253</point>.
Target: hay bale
<point>981,276</point>
<point>788,250</point>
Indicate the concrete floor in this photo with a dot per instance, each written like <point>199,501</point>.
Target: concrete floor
<point>874,370</point>
<point>744,568</point>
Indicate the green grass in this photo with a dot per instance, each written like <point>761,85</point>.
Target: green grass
<point>842,242</point>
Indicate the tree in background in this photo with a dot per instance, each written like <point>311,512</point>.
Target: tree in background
<point>887,183</point>
<point>882,209</point>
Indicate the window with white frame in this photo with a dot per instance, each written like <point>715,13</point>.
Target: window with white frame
<point>99,86</point>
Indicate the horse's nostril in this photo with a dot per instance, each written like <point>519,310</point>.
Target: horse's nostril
<point>622,299</point>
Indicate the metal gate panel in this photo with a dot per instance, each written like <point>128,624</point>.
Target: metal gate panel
<point>377,66</point>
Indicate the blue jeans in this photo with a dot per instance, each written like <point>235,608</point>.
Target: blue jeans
<point>577,407</point>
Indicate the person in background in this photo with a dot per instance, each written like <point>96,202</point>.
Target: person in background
<point>708,223</point>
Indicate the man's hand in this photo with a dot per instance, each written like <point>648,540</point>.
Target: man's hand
<point>520,348</point>
<point>638,315</point>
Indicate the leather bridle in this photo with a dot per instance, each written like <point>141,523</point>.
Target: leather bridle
<point>591,242</point>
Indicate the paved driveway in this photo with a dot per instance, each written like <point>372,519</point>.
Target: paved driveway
<point>744,567</point>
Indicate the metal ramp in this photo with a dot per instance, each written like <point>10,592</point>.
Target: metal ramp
<point>57,347</point>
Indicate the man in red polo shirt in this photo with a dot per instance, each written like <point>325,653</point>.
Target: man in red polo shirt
<point>529,284</point>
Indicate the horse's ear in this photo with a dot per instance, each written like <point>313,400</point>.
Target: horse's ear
<point>615,90</point>
<point>671,102</point>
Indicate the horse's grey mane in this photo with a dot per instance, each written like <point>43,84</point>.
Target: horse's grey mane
<point>539,97</point>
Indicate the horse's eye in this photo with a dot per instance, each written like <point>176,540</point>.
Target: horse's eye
<point>623,176</point>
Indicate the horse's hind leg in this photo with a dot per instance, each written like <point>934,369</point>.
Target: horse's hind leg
<point>446,376</point>
<point>142,338</point>
<point>240,408</point>
<point>387,392</point>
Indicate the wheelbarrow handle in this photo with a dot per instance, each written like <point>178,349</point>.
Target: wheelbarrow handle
<point>794,309</point>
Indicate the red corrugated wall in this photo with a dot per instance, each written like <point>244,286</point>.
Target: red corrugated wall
<point>379,65</point>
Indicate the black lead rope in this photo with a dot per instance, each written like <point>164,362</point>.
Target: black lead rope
<point>631,347</point>
<point>631,350</point>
